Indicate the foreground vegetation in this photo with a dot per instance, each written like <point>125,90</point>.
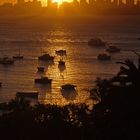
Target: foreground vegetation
<point>116,116</point>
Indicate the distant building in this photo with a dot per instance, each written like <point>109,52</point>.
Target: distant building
<point>108,3</point>
<point>100,3</point>
<point>20,1</point>
<point>7,5</point>
<point>75,1</point>
<point>49,3</point>
<point>115,3</point>
<point>138,3</point>
<point>121,4</point>
<point>83,2</point>
<point>130,3</point>
<point>92,2</point>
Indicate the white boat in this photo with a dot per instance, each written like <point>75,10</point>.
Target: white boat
<point>104,56</point>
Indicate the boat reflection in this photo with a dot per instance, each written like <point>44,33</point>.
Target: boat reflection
<point>44,91</point>
<point>69,92</point>
<point>40,69</point>
<point>61,67</point>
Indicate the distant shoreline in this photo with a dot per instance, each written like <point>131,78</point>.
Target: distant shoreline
<point>74,19</point>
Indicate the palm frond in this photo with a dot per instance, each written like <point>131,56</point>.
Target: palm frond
<point>136,53</point>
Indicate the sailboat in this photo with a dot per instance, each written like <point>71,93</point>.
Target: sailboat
<point>18,56</point>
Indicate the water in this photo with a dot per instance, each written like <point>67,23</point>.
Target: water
<point>33,36</point>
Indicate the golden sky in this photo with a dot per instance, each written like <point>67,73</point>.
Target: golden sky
<point>44,2</point>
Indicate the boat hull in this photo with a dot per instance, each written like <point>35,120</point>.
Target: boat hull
<point>43,81</point>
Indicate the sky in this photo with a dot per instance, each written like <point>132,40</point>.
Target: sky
<point>44,2</point>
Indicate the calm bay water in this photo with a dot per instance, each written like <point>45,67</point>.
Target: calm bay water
<point>34,36</point>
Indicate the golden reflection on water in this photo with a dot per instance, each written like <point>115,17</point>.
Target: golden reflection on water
<point>54,96</point>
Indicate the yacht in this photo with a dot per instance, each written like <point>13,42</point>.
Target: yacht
<point>104,56</point>
<point>43,80</point>
<point>96,42</point>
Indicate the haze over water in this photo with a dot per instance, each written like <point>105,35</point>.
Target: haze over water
<point>34,36</point>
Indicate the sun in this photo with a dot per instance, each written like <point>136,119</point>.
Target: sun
<point>58,1</point>
<point>44,2</point>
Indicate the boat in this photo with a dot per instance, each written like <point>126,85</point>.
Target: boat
<point>18,56</point>
<point>139,38</point>
<point>112,49</point>
<point>28,94</point>
<point>46,57</point>
<point>96,42</point>
<point>6,61</point>
<point>40,69</point>
<point>60,52</point>
<point>68,87</point>
<point>0,84</point>
<point>104,56</point>
<point>43,80</point>
<point>69,92</point>
<point>61,63</point>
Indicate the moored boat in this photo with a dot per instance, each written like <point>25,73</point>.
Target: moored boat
<point>104,56</point>
<point>43,80</point>
<point>6,61</point>
<point>68,87</point>
<point>96,42</point>
<point>112,49</point>
<point>46,57</point>
<point>60,52</point>
<point>18,57</point>
<point>40,69</point>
